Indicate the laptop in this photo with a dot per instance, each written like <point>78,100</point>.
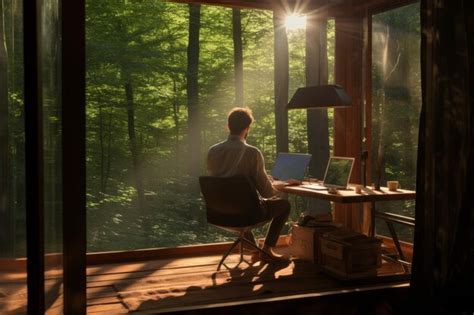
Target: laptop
<point>338,172</point>
<point>290,166</point>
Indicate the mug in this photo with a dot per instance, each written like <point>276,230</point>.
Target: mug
<point>393,185</point>
<point>358,189</point>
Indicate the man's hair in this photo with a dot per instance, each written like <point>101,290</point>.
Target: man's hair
<point>238,119</point>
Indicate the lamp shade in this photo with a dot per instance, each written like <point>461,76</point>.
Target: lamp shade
<point>320,96</point>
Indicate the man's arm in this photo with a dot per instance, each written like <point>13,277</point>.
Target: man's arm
<point>264,186</point>
<point>211,163</point>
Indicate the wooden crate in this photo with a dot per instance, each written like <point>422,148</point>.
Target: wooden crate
<point>304,242</point>
<point>349,255</point>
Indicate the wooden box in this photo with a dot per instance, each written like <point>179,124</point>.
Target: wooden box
<point>349,255</point>
<point>304,242</point>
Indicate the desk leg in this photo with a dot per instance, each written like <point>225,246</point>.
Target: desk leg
<point>391,228</point>
<point>372,219</point>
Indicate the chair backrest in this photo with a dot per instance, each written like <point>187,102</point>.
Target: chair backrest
<point>230,201</point>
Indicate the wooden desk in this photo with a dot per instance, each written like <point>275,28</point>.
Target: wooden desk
<point>368,195</point>
<point>349,195</point>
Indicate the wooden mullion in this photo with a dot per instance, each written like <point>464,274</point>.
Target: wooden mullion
<point>34,183</point>
<point>367,112</point>
<point>74,154</point>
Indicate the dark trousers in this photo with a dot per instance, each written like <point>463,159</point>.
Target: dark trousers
<point>278,211</point>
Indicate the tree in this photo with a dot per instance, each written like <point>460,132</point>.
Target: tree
<point>194,128</point>
<point>238,59</point>
<point>281,81</point>
<point>317,119</point>
<point>129,47</point>
<point>134,147</point>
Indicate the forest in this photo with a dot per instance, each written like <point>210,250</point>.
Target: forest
<point>161,78</point>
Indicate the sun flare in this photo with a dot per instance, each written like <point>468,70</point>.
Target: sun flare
<point>295,22</point>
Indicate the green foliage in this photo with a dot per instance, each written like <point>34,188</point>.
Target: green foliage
<point>148,41</point>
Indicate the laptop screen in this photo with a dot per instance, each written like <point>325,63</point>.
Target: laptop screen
<point>338,172</point>
<point>290,166</point>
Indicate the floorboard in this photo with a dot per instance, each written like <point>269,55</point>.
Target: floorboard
<point>168,284</point>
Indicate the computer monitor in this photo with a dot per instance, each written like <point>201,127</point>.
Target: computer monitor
<point>338,172</point>
<point>290,166</point>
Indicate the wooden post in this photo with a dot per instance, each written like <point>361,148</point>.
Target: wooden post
<point>34,185</point>
<point>367,110</point>
<point>349,70</point>
<point>73,73</point>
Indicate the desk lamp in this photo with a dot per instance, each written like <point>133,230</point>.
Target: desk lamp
<point>320,96</point>
<point>323,96</point>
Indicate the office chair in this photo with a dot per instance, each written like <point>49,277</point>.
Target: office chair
<point>232,204</point>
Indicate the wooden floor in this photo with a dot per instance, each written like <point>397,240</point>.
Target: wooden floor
<point>186,283</point>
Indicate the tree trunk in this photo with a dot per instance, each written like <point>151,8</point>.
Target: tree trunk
<point>192,87</point>
<point>134,150</point>
<point>406,110</point>
<point>6,214</point>
<point>109,155</point>
<point>176,125</point>
<point>317,119</point>
<point>102,151</point>
<point>238,57</point>
<point>380,166</point>
<point>281,80</point>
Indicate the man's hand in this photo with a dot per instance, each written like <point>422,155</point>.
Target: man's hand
<point>279,183</point>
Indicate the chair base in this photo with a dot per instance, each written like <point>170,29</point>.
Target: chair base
<point>241,240</point>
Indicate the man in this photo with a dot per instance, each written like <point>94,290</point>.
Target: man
<point>235,157</point>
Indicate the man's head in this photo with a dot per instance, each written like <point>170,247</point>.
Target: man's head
<point>239,120</point>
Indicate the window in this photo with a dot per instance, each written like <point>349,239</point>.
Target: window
<point>139,161</point>
<point>396,103</point>
<point>12,141</point>
<point>145,145</point>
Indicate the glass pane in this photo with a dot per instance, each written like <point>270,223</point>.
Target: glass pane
<point>51,92</point>
<point>297,124</point>
<point>396,105</point>
<point>13,293</point>
<point>141,162</point>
